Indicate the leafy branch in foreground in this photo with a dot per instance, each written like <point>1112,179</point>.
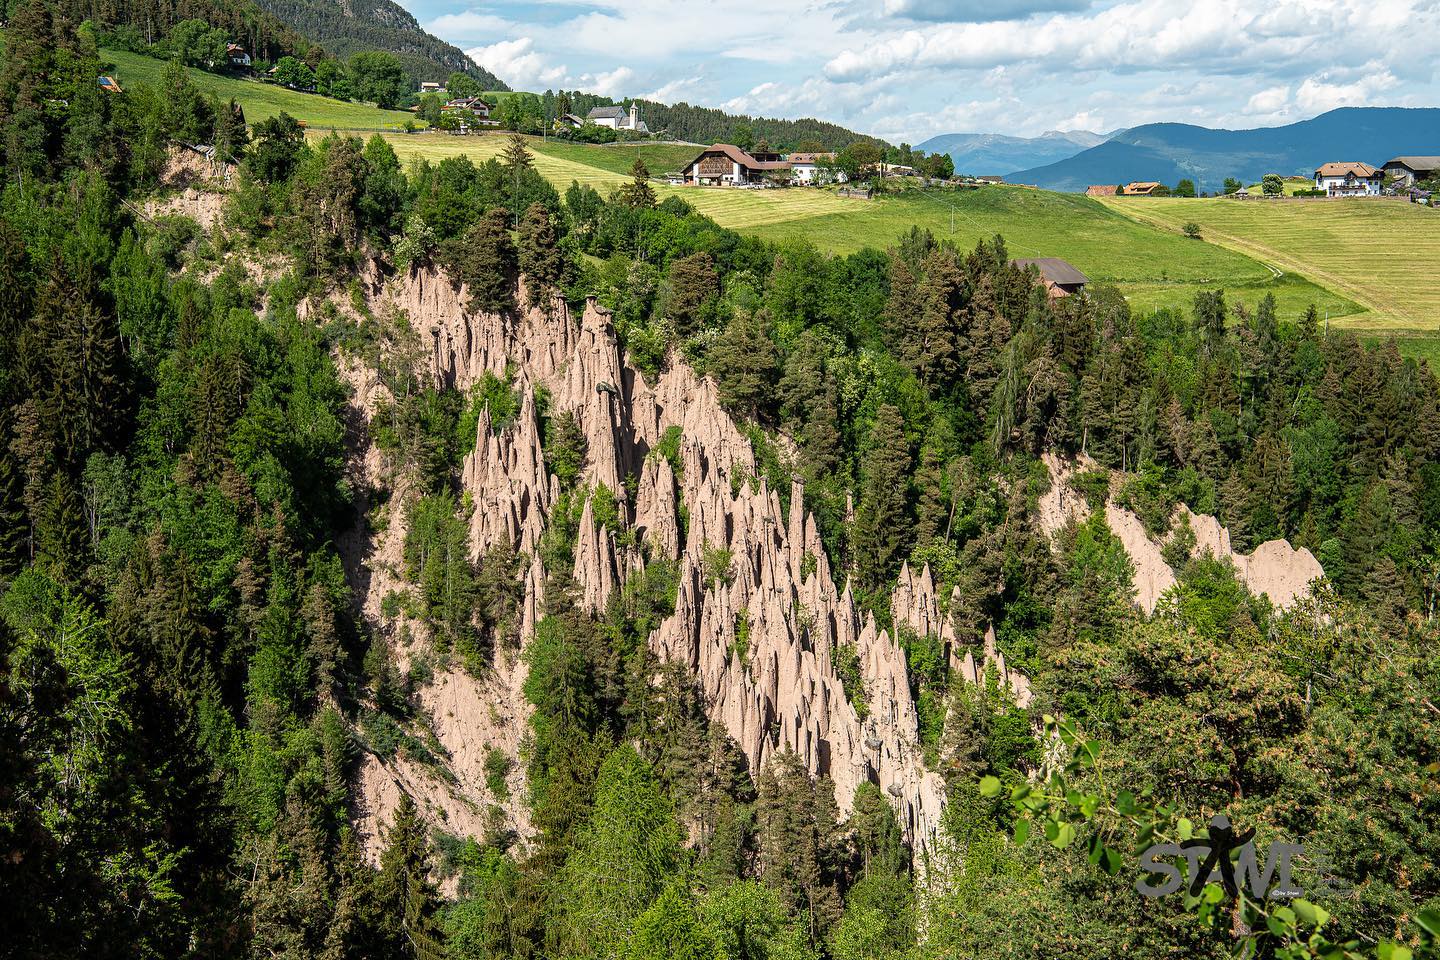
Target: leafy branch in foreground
<point>1074,804</point>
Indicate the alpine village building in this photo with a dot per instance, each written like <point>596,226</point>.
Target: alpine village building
<point>1349,179</point>
<point>724,164</point>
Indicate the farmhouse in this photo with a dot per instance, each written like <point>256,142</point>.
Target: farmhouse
<point>1102,190</point>
<point>474,105</point>
<point>430,86</point>
<point>805,167</point>
<point>1407,170</point>
<point>1349,179</point>
<point>617,119</point>
<point>1140,188</point>
<point>1060,278</point>
<point>236,56</point>
<point>726,165</point>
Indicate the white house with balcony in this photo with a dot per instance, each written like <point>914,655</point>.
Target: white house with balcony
<point>1349,179</point>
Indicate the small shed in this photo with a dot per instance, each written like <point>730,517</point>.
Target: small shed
<point>1061,279</point>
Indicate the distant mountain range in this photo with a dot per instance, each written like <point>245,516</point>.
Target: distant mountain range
<point>984,154</point>
<point>1168,152</point>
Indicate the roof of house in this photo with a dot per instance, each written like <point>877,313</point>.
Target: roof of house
<point>234,48</point>
<point>110,84</point>
<point>1102,190</point>
<point>1053,269</point>
<point>1140,186</point>
<point>1416,163</point>
<point>739,156</point>
<point>606,113</point>
<point>1346,168</point>
<point>810,157</point>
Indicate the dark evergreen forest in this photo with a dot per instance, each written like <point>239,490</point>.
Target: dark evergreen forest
<point>186,690</point>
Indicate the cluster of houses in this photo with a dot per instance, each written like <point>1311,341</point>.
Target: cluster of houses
<point>726,165</point>
<point>1349,178</point>
<point>1356,179</point>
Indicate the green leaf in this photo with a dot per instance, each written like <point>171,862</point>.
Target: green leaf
<point>989,786</point>
<point>1310,914</point>
<point>1125,803</point>
<point>1064,836</point>
<point>1186,828</point>
<point>1429,921</point>
<point>1112,861</point>
<point>1022,830</point>
<point>1392,951</point>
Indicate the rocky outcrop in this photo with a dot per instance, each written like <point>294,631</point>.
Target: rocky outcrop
<point>778,690</point>
<point>1274,568</point>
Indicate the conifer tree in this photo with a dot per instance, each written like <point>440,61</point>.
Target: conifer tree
<point>744,363</point>
<point>881,530</point>
<point>484,260</point>
<point>403,887</point>
<point>540,258</point>
<point>638,193</point>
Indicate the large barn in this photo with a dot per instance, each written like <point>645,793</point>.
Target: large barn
<point>726,165</point>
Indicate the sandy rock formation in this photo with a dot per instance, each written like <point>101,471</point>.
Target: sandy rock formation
<point>777,691</point>
<point>1274,568</point>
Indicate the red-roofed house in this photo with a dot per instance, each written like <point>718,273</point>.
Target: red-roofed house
<point>1349,179</point>
<point>725,164</point>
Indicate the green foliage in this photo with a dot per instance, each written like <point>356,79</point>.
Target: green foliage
<point>497,399</point>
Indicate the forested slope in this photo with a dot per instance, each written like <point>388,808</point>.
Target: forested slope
<point>653,591</point>
<point>348,28</point>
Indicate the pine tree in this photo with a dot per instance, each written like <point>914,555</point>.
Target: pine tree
<point>484,260</point>
<point>404,889</point>
<point>638,193</point>
<point>798,845</point>
<point>744,364</point>
<point>692,285</point>
<point>881,528</point>
<point>540,258</point>
<point>927,343</point>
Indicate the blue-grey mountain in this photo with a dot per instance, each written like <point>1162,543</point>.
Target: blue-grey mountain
<point>1168,152</point>
<point>983,154</point>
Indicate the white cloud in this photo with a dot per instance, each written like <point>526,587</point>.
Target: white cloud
<point>907,69</point>
<point>975,10</point>
<point>519,64</point>
<point>674,90</point>
<point>1084,120</point>
<point>612,83</point>
<point>469,26</point>
<point>1318,93</point>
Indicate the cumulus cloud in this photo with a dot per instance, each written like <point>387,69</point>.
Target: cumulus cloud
<point>519,64</point>
<point>469,26</point>
<point>611,83</point>
<point>1320,93</point>
<point>1084,120</point>
<point>979,11</point>
<point>674,90</point>
<point>906,69</point>
<point>1219,36</point>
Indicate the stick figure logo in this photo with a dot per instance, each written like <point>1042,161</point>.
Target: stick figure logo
<point>1228,857</point>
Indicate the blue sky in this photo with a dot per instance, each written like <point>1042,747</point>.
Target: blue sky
<point>909,69</point>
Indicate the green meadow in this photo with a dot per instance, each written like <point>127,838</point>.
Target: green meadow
<point>261,100</point>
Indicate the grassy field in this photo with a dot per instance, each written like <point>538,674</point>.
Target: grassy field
<point>262,100</point>
<point>1154,267</point>
<point>1375,252</point>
